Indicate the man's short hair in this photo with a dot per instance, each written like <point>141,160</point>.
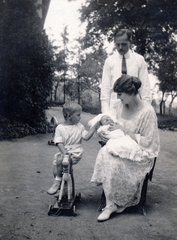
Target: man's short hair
<point>121,32</point>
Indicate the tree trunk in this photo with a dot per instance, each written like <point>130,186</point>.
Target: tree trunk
<point>170,105</point>
<point>170,108</point>
<point>79,91</point>
<point>161,103</point>
<point>163,107</point>
<point>55,93</point>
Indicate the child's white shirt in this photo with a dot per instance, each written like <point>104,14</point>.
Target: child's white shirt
<point>71,136</point>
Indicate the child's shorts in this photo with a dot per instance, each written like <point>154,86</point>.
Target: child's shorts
<point>75,157</point>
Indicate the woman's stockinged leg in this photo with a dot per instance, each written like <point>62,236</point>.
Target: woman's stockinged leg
<point>111,203</point>
<point>108,210</point>
<point>108,201</point>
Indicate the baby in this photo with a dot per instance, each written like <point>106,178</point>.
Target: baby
<point>105,122</point>
<point>118,144</point>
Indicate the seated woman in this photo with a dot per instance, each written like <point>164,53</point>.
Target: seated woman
<point>122,178</point>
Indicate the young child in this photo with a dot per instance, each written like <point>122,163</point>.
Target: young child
<point>68,137</point>
<point>118,144</point>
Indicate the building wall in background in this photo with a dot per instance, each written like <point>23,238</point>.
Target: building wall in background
<point>43,9</point>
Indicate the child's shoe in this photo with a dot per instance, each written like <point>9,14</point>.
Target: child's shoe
<point>64,193</point>
<point>56,195</point>
<point>54,188</point>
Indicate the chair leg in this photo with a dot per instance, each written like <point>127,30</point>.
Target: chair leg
<point>144,210</point>
<point>142,203</point>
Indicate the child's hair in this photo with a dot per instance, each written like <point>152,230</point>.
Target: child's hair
<point>69,108</point>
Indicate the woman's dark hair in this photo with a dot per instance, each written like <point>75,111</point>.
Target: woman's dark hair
<point>127,84</point>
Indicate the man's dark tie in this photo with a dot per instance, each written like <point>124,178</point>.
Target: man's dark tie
<point>124,66</point>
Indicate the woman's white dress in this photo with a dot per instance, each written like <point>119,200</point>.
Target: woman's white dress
<point>123,178</point>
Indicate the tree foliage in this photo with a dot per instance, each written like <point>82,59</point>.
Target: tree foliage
<point>154,27</point>
<point>25,64</point>
<point>86,71</point>
<point>91,68</point>
<point>61,65</point>
<point>167,73</point>
<point>152,21</point>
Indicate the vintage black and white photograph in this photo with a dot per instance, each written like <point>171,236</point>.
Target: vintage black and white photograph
<point>88,119</point>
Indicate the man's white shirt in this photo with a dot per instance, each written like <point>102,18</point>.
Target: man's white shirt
<point>112,70</point>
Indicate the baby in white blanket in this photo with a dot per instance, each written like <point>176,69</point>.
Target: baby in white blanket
<point>118,144</point>
<point>105,122</point>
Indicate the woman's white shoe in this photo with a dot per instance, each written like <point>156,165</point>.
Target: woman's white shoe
<point>107,211</point>
<point>120,209</point>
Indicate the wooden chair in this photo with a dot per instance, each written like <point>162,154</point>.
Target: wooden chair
<point>142,203</point>
<point>141,206</point>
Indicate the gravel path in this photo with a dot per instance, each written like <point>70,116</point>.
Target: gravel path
<point>26,174</point>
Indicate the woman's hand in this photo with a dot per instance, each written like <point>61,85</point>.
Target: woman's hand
<point>114,126</point>
<point>103,137</point>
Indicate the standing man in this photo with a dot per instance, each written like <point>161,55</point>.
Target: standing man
<point>123,61</point>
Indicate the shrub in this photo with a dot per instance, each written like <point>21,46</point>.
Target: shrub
<point>25,67</point>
